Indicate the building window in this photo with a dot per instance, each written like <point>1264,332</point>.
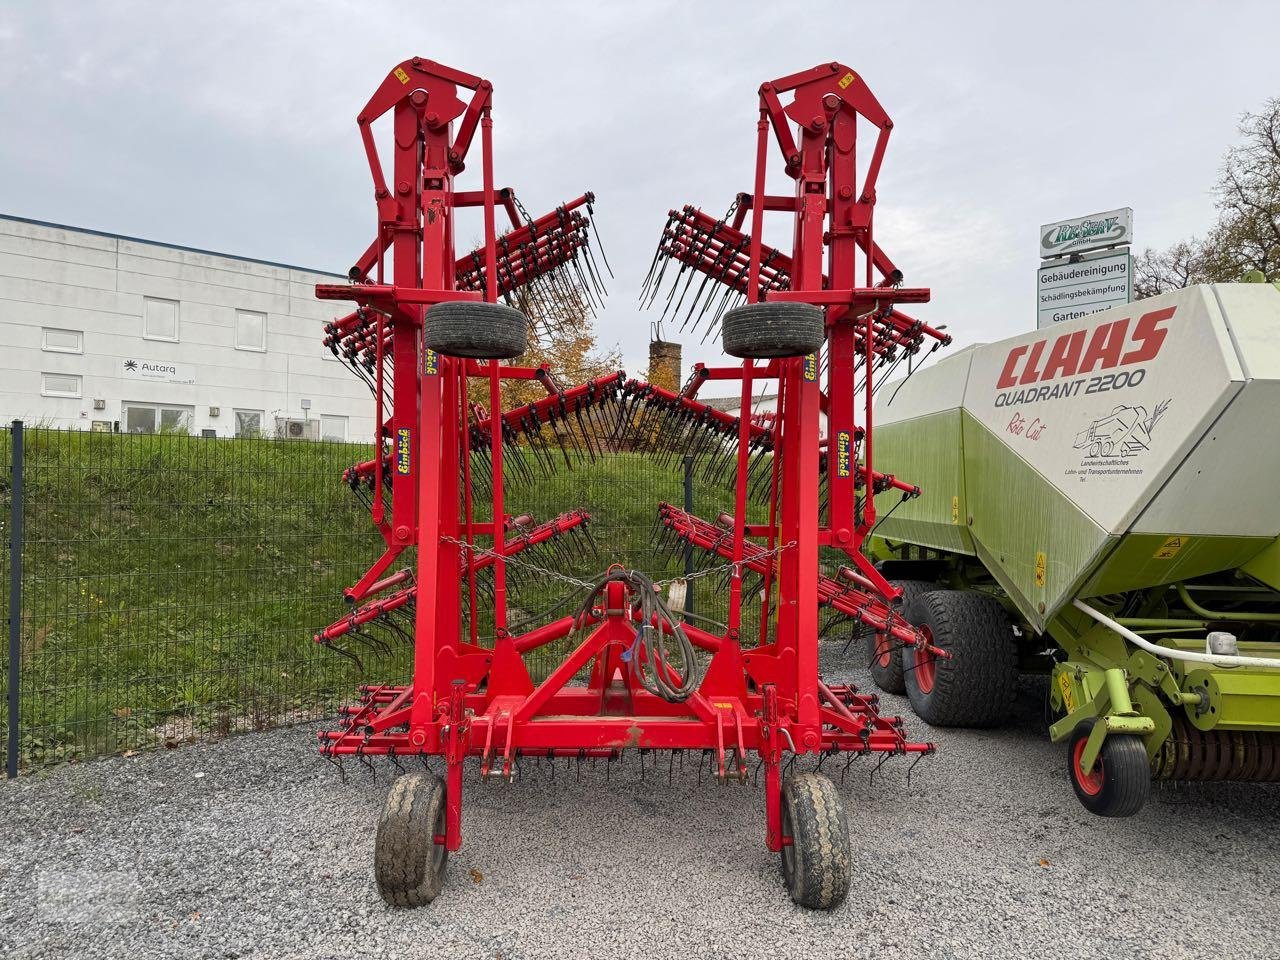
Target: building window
<point>333,428</point>
<point>59,385</point>
<point>248,423</point>
<point>62,341</point>
<point>156,418</point>
<point>251,330</point>
<point>159,319</point>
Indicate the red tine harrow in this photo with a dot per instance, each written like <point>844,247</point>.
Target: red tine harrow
<point>633,674</point>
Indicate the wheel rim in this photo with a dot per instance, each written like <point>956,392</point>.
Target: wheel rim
<point>439,851</point>
<point>788,849</point>
<point>884,651</point>
<point>926,662</point>
<point>1090,783</point>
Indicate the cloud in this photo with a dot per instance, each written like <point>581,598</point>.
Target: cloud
<point>231,126</point>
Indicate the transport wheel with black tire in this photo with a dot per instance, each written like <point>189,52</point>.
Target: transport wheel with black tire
<point>408,864</point>
<point>976,685</point>
<point>815,863</point>
<point>884,654</point>
<point>1120,781</point>
<point>762,331</point>
<point>481,331</point>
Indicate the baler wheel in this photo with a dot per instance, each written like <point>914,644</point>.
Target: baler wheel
<point>482,331</point>
<point>407,863</point>
<point>884,654</point>
<point>815,864</point>
<point>977,686</point>
<point>1120,781</point>
<point>762,331</point>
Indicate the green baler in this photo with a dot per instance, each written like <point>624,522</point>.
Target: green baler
<point>1109,485</point>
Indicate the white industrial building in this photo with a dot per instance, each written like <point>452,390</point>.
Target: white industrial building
<point>109,333</point>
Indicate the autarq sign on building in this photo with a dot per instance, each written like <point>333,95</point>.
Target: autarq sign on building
<point>1086,266</point>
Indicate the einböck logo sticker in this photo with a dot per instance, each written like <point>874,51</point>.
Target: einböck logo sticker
<point>403,463</point>
<point>811,367</point>
<point>844,454</point>
<point>430,363</point>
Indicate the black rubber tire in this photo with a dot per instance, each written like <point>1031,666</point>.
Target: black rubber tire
<point>762,331</point>
<point>977,686</point>
<point>890,678</point>
<point>815,865</point>
<point>408,864</point>
<point>482,331</point>
<point>1122,767</point>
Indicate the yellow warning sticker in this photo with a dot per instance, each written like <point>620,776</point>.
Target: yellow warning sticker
<point>1041,563</point>
<point>847,79</point>
<point>1068,698</point>
<point>955,509</point>
<point>1169,549</point>
<point>401,75</point>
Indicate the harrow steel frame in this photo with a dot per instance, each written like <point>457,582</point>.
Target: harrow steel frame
<point>438,450</point>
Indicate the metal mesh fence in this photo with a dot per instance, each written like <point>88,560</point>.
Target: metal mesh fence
<point>172,584</point>
<point>6,519</point>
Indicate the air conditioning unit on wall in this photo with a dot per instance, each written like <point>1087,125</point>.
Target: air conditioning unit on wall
<point>288,428</point>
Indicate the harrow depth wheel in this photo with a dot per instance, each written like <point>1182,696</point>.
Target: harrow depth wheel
<point>482,331</point>
<point>815,861</point>
<point>1120,781</point>
<point>408,864</point>
<point>762,331</point>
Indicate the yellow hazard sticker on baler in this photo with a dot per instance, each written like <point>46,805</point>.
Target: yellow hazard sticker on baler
<point>847,79</point>
<point>955,509</point>
<point>1169,549</point>
<point>1068,697</point>
<point>1041,563</point>
<point>401,75</point>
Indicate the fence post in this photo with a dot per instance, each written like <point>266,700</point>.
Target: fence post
<point>688,547</point>
<point>15,601</point>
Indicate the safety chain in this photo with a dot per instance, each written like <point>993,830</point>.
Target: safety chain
<point>482,552</point>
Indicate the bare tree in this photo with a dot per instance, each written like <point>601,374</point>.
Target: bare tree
<point>1248,191</point>
<point>1246,236</point>
<point>1178,266</point>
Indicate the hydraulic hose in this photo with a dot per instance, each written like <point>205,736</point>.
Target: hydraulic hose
<point>647,657</point>
<point>1170,653</point>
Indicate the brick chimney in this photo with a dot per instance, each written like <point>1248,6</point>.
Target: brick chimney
<point>664,364</point>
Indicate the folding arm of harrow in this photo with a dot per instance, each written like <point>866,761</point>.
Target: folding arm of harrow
<point>720,253</point>
<point>851,595</point>
<point>395,611</point>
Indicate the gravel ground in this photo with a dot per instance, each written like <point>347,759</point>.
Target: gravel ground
<point>253,847</point>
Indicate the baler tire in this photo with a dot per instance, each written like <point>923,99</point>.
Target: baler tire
<point>889,677</point>
<point>1121,780</point>
<point>408,864</point>
<point>763,331</point>
<point>481,331</point>
<point>977,686</point>
<point>815,865</point>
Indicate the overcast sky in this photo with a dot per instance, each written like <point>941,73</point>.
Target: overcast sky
<point>230,126</point>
